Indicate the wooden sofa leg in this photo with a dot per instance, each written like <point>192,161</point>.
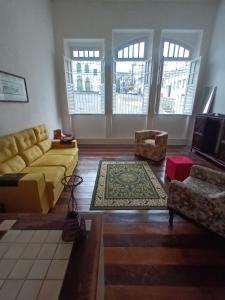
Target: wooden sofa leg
<point>171,214</point>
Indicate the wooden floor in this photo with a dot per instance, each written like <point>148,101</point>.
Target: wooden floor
<point>89,157</point>
<point>145,259</point>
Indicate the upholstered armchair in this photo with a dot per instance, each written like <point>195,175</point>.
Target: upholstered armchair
<point>200,197</point>
<point>151,144</point>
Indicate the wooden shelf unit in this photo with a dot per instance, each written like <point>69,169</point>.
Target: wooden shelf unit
<point>209,137</point>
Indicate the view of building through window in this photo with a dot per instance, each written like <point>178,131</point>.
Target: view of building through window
<point>178,77</point>
<point>173,87</point>
<point>131,80</point>
<point>130,86</point>
<point>88,86</point>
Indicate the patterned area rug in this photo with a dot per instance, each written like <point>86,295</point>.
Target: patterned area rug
<point>127,185</point>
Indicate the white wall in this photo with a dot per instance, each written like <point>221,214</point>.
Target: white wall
<point>97,19</point>
<point>27,50</point>
<point>216,61</point>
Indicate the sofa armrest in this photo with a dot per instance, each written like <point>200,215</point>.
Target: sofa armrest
<point>207,174</point>
<point>56,144</point>
<point>180,191</point>
<point>30,195</point>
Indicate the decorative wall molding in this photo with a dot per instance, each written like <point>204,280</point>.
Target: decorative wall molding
<point>125,141</point>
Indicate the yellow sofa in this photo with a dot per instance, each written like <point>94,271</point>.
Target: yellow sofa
<point>45,162</point>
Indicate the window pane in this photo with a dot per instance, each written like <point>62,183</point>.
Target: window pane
<point>165,49</point>
<point>126,52</point>
<point>131,90</point>
<point>181,52</point>
<point>75,53</point>
<point>91,53</point>
<point>86,53</point>
<point>88,87</point>
<point>81,53</point>
<point>97,54</point>
<point>171,50</point>
<point>136,47</point>
<point>176,51</point>
<point>131,51</point>
<point>120,54</point>
<point>173,88</point>
<point>141,50</point>
<point>186,53</point>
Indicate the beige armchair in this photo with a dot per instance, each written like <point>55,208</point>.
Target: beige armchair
<point>200,197</point>
<point>151,144</point>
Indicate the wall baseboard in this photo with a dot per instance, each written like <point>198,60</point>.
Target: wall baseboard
<point>181,142</point>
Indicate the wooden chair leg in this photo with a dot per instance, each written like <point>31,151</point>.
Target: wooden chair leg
<point>171,214</point>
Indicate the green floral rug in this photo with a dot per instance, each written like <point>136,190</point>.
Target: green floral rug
<point>127,185</point>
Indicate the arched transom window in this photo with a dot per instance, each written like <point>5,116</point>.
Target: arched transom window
<point>175,51</point>
<point>131,51</point>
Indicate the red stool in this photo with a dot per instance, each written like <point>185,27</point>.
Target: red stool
<point>178,167</point>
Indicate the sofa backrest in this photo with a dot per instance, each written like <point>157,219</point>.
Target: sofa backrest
<point>10,161</point>
<point>22,148</point>
<point>43,142</point>
<point>26,141</point>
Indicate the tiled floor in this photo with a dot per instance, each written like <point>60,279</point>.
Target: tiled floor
<point>32,263</point>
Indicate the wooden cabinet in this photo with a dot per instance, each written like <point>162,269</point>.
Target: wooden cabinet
<point>209,136</point>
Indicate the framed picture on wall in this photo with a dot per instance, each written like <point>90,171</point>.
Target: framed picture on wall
<point>12,88</point>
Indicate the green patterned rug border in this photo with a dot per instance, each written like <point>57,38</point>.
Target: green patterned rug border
<point>93,206</point>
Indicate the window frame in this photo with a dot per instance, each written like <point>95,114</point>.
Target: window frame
<point>71,59</point>
<point>80,48</point>
<point>162,59</point>
<point>147,76</point>
<point>180,44</point>
<point>127,44</point>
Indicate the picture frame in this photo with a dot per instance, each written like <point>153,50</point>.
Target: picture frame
<point>13,88</point>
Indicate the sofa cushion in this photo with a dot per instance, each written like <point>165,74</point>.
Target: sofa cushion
<point>45,145</point>
<point>53,175</point>
<point>8,148</point>
<point>54,160</point>
<point>25,139</point>
<point>68,151</point>
<point>13,165</point>
<point>31,154</point>
<point>41,132</point>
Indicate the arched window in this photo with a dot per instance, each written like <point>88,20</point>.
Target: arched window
<point>132,51</point>
<point>173,50</point>
<point>131,78</point>
<point>177,69</point>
